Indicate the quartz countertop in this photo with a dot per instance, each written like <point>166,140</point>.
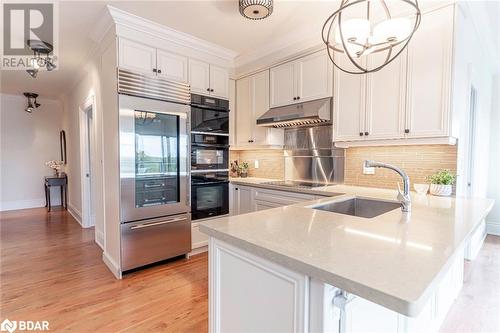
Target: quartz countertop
<point>394,259</point>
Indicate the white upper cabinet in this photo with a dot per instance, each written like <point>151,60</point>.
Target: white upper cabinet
<point>314,76</point>
<point>283,82</point>
<point>136,56</point>
<point>172,66</point>
<point>408,98</point>
<point>219,82</point>
<point>206,79</point>
<point>429,75</point>
<point>302,80</point>
<point>252,101</point>
<point>199,77</point>
<point>385,99</point>
<point>348,105</point>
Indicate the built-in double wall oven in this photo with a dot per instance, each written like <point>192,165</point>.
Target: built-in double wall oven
<point>209,157</point>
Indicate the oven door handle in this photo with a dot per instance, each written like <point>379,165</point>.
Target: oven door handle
<point>210,107</point>
<point>211,183</point>
<point>152,224</point>
<point>209,145</point>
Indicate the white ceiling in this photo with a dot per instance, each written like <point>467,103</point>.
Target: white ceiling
<point>218,22</point>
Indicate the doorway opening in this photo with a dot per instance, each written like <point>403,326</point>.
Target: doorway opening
<point>87,139</point>
<point>472,138</point>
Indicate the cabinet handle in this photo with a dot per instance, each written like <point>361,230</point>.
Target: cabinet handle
<point>250,141</point>
<point>360,133</point>
<point>407,130</point>
<point>366,133</point>
<point>154,70</point>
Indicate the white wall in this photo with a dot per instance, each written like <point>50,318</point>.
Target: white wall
<point>27,142</point>
<point>494,179</point>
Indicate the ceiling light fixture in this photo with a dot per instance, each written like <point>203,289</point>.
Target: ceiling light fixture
<point>41,57</point>
<point>256,9</point>
<point>346,33</point>
<point>32,103</point>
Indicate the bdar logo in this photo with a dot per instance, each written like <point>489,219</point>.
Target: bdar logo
<point>8,325</point>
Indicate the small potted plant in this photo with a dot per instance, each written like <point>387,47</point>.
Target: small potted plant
<point>441,183</point>
<point>244,170</point>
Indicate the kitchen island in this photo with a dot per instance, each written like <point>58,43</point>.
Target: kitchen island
<point>299,269</point>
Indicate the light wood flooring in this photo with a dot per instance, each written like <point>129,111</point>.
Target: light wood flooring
<point>51,269</point>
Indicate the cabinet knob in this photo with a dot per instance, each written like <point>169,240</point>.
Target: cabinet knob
<point>407,130</point>
<point>154,70</point>
<point>366,133</point>
<point>208,89</point>
<point>250,141</point>
<point>298,97</point>
<point>159,71</point>
<point>295,98</point>
<point>236,189</point>
<point>211,90</point>
<point>360,133</point>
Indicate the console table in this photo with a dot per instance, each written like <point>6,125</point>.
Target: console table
<point>61,181</point>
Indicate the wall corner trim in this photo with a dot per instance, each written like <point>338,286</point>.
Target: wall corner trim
<point>112,265</point>
<point>77,215</point>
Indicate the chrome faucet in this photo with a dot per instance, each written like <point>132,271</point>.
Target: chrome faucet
<point>404,197</point>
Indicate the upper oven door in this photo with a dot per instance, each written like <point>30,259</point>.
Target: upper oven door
<point>154,158</point>
<point>206,120</point>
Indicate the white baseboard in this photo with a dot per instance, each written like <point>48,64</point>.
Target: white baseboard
<point>493,228</point>
<point>99,238</point>
<point>22,204</point>
<point>199,250</point>
<point>112,265</point>
<point>75,213</point>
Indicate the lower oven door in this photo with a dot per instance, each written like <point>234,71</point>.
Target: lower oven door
<point>209,199</point>
<point>149,241</point>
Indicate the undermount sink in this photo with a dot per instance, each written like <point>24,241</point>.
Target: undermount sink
<point>367,208</point>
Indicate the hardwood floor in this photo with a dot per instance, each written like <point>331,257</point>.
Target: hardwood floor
<point>51,269</point>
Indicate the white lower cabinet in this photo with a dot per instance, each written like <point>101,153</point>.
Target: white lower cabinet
<point>246,199</point>
<point>251,294</point>
<point>198,239</point>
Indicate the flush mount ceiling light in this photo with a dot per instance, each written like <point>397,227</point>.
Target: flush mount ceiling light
<point>41,57</point>
<point>256,9</point>
<point>362,27</point>
<point>32,103</point>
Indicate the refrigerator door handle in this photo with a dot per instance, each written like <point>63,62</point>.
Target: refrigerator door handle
<point>146,225</point>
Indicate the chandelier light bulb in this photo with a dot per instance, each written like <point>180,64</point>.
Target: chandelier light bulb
<point>393,31</point>
<point>355,33</point>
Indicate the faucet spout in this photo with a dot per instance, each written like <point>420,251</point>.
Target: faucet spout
<point>403,197</point>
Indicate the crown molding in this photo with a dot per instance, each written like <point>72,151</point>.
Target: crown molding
<point>135,22</point>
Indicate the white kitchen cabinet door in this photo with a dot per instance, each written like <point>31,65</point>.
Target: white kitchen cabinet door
<point>259,90</point>
<point>385,98</point>
<point>429,75</point>
<point>245,198</point>
<point>136,56</point>
<point>245,120</point>
<point>348,105</point>
<point>263,205</point>
<point>219,82</point>
<point>172,66</point>
<point>364,316</point>
<point>251,294</point>
<point>199,77</point>
<point>283,84</point>
<point>314,76</point>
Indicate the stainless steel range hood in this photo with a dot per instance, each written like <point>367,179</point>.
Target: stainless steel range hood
<point>298,115</point>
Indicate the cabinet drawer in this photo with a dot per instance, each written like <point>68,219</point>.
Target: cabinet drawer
<point>273,195</point>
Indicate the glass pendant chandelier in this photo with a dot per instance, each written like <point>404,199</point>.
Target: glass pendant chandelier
<point>363,27</point>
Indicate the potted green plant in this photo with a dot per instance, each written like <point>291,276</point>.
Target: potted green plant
<point>442,182</point>
<point>244,170</point>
